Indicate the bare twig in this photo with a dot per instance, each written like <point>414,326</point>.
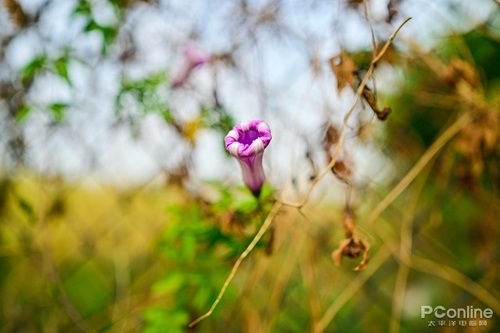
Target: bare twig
<point>368,19</point>
<point>456,127</point>
<point>449,274</point>
<point>405,250</point>
<point>307,271</point>
<point>308,276</point>
<point>359,92</point>
<point>279,203</point>
<point>374,43</point>
<point>286,270</point>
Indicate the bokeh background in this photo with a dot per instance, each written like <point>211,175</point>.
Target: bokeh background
<point>120,211</point>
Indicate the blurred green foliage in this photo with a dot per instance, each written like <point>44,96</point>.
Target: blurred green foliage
<point>89,257</point>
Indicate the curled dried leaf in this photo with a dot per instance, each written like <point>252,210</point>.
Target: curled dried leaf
<point>338,253</point>
<point>366,255</point>
<point>341,167</point>
<point>352,248</point>
<point>382,115</point>
<point>371,100</point>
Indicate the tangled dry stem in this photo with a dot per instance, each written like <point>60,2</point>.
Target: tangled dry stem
<point>359,93</point>
<point>279,203</point>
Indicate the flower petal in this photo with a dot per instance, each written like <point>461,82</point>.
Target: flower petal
<point>247,142</point>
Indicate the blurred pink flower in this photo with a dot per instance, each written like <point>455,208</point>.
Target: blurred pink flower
<point>194,57</point>
<point>247,141</point>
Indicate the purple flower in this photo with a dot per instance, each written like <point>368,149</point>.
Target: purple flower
<point>247,141</point>
<point>193,58</point>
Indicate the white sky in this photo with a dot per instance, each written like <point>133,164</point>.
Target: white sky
<point>294,102</point>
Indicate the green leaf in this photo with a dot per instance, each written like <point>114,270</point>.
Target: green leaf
<point>83,8</point>
<point>173,282</point>
<point>61,66</point>
<point>119,4</point>
<point>167,116</point>
<point>203,297</point>
<point>87,289</point>
<point>109,34</point>
<point>26,208</point>
<point>188,247</point>
<point>33,68</point>
<point>246,205</point>
<point>92,25</point>
<point>58,111</point>
<point>162,320</point>
<point>218,119</point>
<point>22,113</point>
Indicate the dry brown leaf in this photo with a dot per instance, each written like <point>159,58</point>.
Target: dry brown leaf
<point>341,170</point>
<point>371,100</point>
<point>366,256</point>
<point>344,69</point>
<point>392,9</point>
<point>351,247</point>
<point>382,115</point>
<point>17,13</point>
<point>332,136</point>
